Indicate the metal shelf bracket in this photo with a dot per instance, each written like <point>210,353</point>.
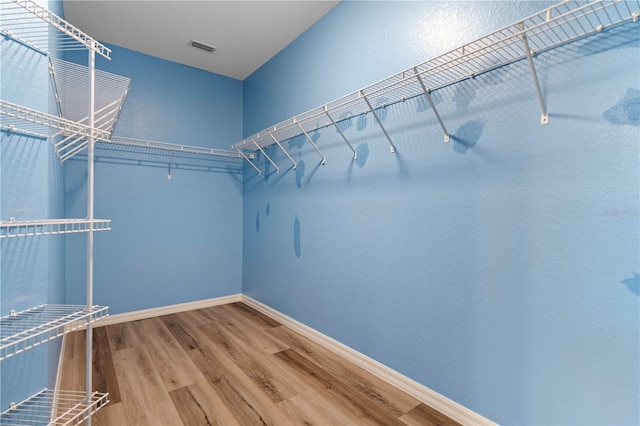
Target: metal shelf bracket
<point>427,94</point>
<point>295,165</point>
<point>250,162</point>
<point>393,147</point>
<point>266,156</point>
<point>544,118</point>
<point>324,160</point>
<point>326,111</point>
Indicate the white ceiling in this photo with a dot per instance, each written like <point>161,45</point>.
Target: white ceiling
<point>246,33</point>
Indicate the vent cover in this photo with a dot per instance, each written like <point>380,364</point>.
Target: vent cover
<point>203,46</point>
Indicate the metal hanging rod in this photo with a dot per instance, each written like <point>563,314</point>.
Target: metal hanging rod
<point>562,23</point>
<point>27,21</point>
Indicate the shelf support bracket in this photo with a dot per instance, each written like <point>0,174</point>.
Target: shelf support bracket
<point>393,147</point>
<point>250,162</point>
<point>295,165</point>
<point>326,111</point>
<point>544,119</point>
<point>427,94</point>
<point>324,160</point>
<point>266,156</point>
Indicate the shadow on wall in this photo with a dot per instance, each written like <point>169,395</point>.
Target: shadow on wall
<point>362,151</point>
<point>467,136</point>
<point>296,237</point>
<point>300,173</point>
<point>627,111</point>
<point>633,284</point>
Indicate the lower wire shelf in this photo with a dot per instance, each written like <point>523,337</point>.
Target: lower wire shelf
<point>31,228</point>
<point>20,331</point>
<point>49,407</point>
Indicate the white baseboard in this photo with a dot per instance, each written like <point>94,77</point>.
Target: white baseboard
<point>433,399</point>
<point>166,310</point>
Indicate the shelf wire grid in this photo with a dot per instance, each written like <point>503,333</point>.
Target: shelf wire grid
<point>557,25</point>
<point>21,331</point>
<point>71,84</point>
<point>18,119</point>
<point>48,407</point>
<point>32,228</point>
<point>170,148</point>
<point>33,25</point>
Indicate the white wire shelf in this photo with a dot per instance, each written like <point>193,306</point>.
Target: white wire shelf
<point>21,331</point>
<point>48,407</point>
<point>557,25</point>
<point>71,86</point>
<point>169,148</point>
<point>66,135</point>
<point>28,23</point>
<point>32,228</point>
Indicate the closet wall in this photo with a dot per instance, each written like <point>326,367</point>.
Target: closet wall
<point>172,240</point>
<point>31,187</point>
<point>501,269</point>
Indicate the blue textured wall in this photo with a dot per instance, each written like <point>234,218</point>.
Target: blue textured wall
<point>501,269</point>
<point>31,187</point>
<point>172,241</point>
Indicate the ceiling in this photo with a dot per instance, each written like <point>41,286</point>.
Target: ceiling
<point>246,33</point>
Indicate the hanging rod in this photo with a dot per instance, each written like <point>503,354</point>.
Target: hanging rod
<point>559,24</point>
<point>24,20</point>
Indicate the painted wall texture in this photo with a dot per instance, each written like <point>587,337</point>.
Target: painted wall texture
<point>501,269</point>
<point>31,187</point>
<point>172,241</point>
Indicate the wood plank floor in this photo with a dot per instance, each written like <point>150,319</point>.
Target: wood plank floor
<point>230,365</point>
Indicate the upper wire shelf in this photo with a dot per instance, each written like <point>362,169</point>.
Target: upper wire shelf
<point>71,87</point>
<point>32,228</point>
<point>67,136</point>
<point>175,149</point>
<point>28,22</point>
<point>20,331</point>
<point>59,408</point>
<point>562,23</point>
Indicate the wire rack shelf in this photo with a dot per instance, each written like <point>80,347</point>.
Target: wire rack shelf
<point>29,23</point>
<point>71,86</point>
<point>33,228</point>
<point>59,408</point>
<point>562,23</point>
<point>67,136</point>
<point>21,331</point>
<point>171,148</point>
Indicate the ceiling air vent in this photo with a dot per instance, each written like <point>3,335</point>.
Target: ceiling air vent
<point>203,46</point>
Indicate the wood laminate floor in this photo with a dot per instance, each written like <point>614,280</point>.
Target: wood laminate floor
<point>230,365</point>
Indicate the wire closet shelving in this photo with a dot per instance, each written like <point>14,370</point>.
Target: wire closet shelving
<point>34,228</point>
<point>85,115</point>
<point>61,408</point>
<point>557,25</point>
<point>21,331</point>
<point>26,22</point>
